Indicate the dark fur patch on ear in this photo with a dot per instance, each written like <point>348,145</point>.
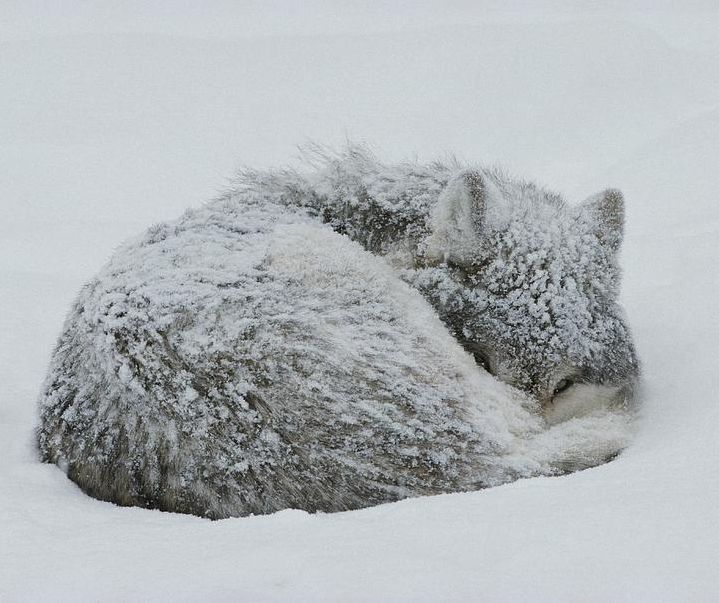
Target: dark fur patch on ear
<point>606,210</point>
<point>477,192</point>
<point>611,217</point>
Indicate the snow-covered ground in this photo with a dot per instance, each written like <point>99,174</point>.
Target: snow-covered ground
<point>103,133</point>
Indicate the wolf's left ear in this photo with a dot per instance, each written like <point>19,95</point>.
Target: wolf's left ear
<point>605,211</point>
<point>459,219</point>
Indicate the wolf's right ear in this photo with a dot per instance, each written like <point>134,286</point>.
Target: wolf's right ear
<point>458,220</point>
<point>605,211</point>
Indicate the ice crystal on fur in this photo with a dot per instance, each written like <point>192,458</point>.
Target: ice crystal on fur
<point>312,341</point>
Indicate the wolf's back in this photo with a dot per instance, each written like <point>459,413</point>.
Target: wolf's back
<point>243,361</point>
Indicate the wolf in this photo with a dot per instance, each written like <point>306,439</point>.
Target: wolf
<point>346,336</point>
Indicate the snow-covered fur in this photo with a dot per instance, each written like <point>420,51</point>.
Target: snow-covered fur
<point>303,342</point>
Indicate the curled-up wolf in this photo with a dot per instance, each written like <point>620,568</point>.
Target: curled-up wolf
<point>343,338</point>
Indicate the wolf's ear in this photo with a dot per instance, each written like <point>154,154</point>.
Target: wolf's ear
<point>605,212</point>
<point>459,218</point>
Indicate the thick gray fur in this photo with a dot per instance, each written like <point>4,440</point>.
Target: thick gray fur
<point>313,341</point>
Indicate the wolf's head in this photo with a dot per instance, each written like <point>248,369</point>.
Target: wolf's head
<point>529,286</point>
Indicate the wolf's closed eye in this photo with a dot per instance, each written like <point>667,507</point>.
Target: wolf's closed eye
<point>562,386</point>
<point>483,361</point>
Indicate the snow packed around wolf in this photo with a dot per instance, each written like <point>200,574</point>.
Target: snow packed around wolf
<point>354,334</point>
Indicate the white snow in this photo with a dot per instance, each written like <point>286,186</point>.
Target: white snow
<point>105,133</point>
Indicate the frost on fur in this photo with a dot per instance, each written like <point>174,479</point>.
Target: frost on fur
<point>316,341</point>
